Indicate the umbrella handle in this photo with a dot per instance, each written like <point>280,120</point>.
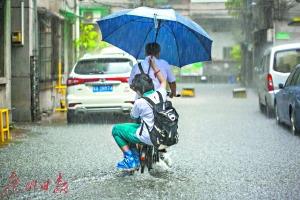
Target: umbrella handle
<point>156,25</point>
<point>155,21</point>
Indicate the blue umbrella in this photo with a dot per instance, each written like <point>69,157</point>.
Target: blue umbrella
<point>182,41</point>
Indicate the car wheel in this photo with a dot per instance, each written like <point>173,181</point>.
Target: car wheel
<point>268,111</point>
<point>71,118</point>
<point>277,115</point>
<point>294,129</point>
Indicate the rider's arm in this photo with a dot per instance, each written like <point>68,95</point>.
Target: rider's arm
<point>158,73</point>
<point>173,89</point>
<point>171,79</point>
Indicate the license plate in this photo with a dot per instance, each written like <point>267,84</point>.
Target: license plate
<point>102,88</point>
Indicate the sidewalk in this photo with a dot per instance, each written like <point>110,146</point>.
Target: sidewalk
<point>17,134</point>
<point>55,117</point>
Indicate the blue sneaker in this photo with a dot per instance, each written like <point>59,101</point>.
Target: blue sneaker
<point>136,157</point>
<point>128,163</point>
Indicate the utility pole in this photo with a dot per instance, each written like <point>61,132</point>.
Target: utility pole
<point>34,68</point>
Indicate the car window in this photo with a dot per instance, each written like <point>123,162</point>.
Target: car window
<point>285,61</point>
<point>292,79</point>
<point>104,66</point>
<point>289,79</point>
<point>296,78</point>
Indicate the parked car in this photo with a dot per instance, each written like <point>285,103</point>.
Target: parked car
<point>287,101</point>
<point>275,66</point>
<point>99,83</point>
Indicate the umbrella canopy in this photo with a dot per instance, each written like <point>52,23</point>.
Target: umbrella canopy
<point>182,41</point>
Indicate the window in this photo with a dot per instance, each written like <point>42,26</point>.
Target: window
<point>296,78</point>
<point>57,40</point>
<point>50,46</point>
<point>45,47</point>
<point>68,45</point>
<point>104,66</point>
<point>290,81</point>
<point>286,60</point>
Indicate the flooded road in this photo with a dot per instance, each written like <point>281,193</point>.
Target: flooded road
<point>227,150</point>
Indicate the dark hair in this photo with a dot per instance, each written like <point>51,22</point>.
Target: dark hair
<point>152,49</point>
<point>142,83</point>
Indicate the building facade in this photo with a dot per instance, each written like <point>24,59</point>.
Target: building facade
<point>264,24</point>
<point>36,37</point>
<point>213,16</point>
<point>5,54</point>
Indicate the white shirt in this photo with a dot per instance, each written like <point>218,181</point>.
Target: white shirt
<point>163,66</point>
<point>141,109</point>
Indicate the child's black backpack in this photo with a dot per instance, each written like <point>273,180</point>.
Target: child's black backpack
<point>165,127</point>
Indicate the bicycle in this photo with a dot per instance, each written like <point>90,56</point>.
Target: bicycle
<point>149,155</point>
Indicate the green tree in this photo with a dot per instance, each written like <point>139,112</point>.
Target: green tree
<point>89,40</point>
<point>236,54</point>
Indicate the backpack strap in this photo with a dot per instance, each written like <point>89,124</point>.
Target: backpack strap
<point>160,97</point>
<point>161,100</point>
<point>141,68</point>
<point>142,127</point>
<point>149,101</point>
<point>151,104</point>
<point>141,130</point>
<point>148,69</point>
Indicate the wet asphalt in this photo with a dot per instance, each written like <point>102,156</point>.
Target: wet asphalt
<point>227,150</point>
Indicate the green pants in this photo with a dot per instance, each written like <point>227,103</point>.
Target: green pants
<point>124,134</point>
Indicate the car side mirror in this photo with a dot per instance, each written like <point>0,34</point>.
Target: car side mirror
<point>281,86</point>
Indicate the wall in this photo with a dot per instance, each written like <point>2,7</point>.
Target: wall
<point>45,97</point>
<point>1,39</point>
<point>63,33</point>
<point>2,95</point>
<point>21,87</point>
<point>221,40</point>
<point>48,98</point>
<point>293,31</point>
<point>5,54</point>
<point>2,81</point>
<point>209,10</point>
<point>214,18</point>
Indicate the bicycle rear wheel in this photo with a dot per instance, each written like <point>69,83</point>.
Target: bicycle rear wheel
<point>149,157</point>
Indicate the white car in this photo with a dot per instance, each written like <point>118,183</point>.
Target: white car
<point>276,65</point>
<point>99,83</point>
